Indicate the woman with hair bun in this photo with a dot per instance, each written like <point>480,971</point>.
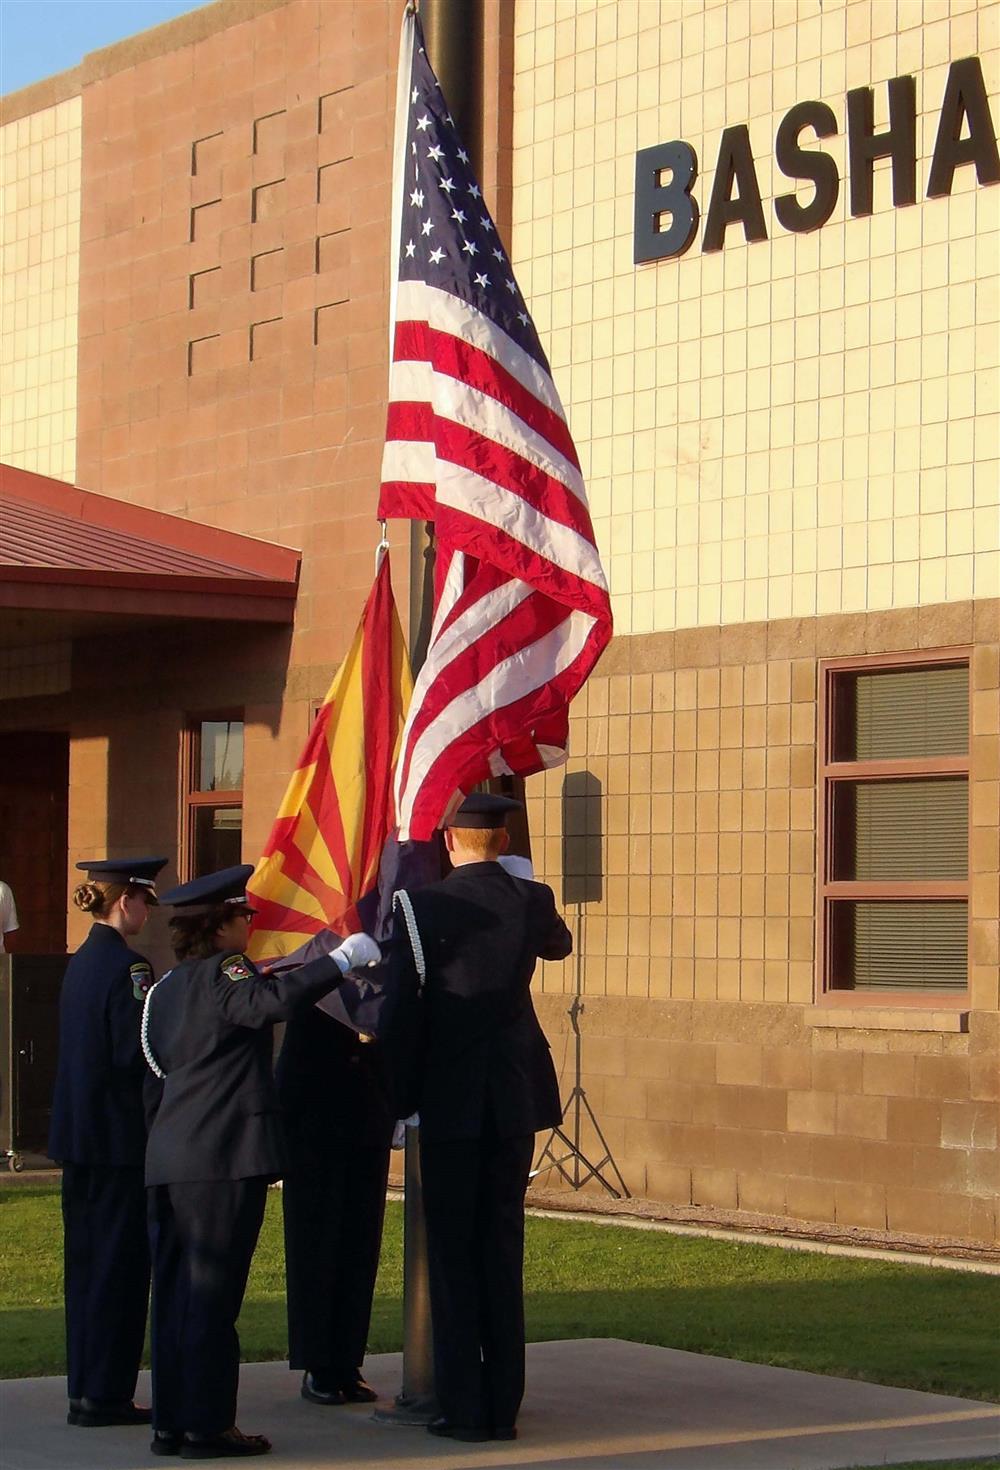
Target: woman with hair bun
<point>98,1133</point>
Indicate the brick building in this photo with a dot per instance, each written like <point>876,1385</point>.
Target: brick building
<point>777,838</point>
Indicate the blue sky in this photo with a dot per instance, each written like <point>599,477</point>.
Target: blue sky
<point>39,37</point>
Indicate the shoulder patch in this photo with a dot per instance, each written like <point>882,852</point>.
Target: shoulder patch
<point>236,968</point>
<point>142,979</point>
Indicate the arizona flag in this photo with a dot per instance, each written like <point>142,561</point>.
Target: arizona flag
<point>323,854</point>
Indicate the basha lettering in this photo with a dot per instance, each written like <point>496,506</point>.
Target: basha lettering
<point>666,209</point>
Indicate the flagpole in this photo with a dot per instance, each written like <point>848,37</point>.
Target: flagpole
<point>453,31</point>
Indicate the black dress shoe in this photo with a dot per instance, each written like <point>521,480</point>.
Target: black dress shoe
<point>166,1442</point>
<point>321,1391</point>
<point>74,1410</point>
<point>231,1444</point>
<point>507,1432</point>
<point>103,1413</point>
<point>357,1391</point>
<point>467,1433</point>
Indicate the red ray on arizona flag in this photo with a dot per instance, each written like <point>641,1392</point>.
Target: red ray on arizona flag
<point>322,857</point>
<point>477,441</point>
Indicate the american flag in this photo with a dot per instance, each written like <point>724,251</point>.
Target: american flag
<point>477,442</point>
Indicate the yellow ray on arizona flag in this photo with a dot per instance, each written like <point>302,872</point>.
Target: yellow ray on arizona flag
<point>322,856</point>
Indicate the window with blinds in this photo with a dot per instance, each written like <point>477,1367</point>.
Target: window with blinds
<point>895,832</point>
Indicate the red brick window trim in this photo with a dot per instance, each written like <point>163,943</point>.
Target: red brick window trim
<point>893,830</point>
<point>211,793</point>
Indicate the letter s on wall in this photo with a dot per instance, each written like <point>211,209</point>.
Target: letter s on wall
<point>801,163</point>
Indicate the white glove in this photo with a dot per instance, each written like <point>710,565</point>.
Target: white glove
<point>357,952</point>
<point>399,1130</point>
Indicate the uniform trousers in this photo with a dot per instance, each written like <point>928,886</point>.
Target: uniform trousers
<point>474,1207</point>
<point>334,1206</point>
<point>106,1274</point>
<point>202,1238</point>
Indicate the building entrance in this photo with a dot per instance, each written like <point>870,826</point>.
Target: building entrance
<point>34,802</point>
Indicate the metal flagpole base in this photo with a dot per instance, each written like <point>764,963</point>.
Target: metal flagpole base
<point>415,1405</point>
<point>413,1412</point>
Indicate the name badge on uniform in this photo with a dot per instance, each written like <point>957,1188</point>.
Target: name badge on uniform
<point>236,968</point>
<point>142,979</point>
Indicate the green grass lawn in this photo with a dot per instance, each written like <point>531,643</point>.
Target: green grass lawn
<point>905,1325</point>
<point>991,1463</point>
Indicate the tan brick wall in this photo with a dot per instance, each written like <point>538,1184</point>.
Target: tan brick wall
<point>788,428</point>
<point>39,273</point>
<point>714,1076</point>
<point>884,1130</point>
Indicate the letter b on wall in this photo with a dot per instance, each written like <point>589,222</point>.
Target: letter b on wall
<point>654,199</point>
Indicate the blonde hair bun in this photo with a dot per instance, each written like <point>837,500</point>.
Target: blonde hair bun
<point>88,896</point>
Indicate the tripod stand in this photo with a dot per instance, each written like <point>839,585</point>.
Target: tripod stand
<point>573,1165</point>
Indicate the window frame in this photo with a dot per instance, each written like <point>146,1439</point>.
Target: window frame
<point>191,796</point>
<point>829,773</point>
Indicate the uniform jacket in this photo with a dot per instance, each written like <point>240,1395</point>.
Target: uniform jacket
<point>333,1087</point>
<point>482,1059</point>
<point>210,1025</point>
<point>97,1113</point>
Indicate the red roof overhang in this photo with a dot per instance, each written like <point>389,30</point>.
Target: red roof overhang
<point>63,549</point>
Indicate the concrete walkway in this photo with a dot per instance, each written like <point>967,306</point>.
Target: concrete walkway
<point>590,1405</point>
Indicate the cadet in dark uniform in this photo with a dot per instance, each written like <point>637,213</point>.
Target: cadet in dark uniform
<point>484,1084</point>
<point>215,1143</point>
<point>98,1133</point>
<point>334,1090</point>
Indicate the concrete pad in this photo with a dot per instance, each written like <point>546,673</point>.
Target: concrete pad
<point>591,1405</point>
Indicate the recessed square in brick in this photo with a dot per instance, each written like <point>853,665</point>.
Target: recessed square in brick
<point>331,181</point>
<point>206,219</point>
<point>269,131</point>
<point>204,287</point>
<point>203,354</point>
<point>267,200</point>
<point>265,338</point>
<point>267,269</point>
<point>333,252</point>
<point>334,110</point>
<point>330,322</point>
<point>206,153</point>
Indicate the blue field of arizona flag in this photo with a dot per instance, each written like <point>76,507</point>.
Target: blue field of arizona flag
<point>477,442</point>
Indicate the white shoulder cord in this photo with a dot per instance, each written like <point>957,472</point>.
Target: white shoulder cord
<point>401,900</point>
<point>147,1050</point>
